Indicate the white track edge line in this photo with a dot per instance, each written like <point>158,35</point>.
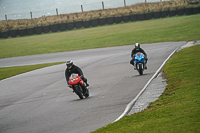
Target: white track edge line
<point>131,104</point>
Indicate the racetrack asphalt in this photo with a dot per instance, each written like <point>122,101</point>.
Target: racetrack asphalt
<point>40,101</point>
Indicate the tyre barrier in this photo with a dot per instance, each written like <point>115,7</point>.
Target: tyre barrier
<point>188,11</point>
<point>172,13</point>
<point>156,15</point>
<point>118,20</point>
<point>22,32</point>
<point>78,24</point>
<point>95,22</point>
<point>102,21</point>
<point>125,19</point>
<point>5,34</point>
<point>29,31</point>
<point>164,14</point>
<point>38,30</point>
<point>86,24</point>
<point>13,33</point>
<point>70,26</point>
<point>54,28</point>
<point>196,10</point>
<point>148,16</point>
<point>46,29</point>
<point>110,20</point>
<point>98,22</point>
<point>141,17</point>
<point>62,26</point>
<point>134,17</point>
<point>180,12</point>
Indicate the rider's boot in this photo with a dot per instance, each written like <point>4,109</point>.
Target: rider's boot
<point>87,84</point>
<point>134,66</point>
<point>145,64</point>
<point>85,91</point>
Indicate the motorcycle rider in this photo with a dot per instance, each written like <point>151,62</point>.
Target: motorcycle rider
<point>136,50</point>
<point>71,68</point>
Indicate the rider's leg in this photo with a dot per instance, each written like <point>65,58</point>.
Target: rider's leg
<point>85,80</point>
<point>132,62</point>
<point>146,63</point>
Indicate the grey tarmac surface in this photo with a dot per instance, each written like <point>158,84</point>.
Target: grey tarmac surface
<point>40,101</point>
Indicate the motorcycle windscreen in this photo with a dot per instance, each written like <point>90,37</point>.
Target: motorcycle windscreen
<point>73,76</point>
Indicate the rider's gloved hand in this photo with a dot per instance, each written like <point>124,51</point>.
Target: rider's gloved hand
<point>82,77</point>
<point>68,84</point>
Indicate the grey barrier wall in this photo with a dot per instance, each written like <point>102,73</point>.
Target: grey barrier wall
<point>98,22</point>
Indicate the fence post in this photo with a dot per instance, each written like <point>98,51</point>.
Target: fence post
<point>125,3</point>
<point>103,5</point>
<point>31,14</point>
<point>82,8</point>
<point>6,19</point>
<point>57,11</point>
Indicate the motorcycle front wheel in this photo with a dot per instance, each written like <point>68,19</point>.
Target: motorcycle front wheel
<point>140,69</point>
<point>78,91</point>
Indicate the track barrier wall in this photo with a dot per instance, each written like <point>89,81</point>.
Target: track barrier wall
<point>98,22</point>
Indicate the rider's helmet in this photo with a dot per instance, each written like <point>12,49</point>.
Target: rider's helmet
<point>69,64</point>
<point>137,46</point>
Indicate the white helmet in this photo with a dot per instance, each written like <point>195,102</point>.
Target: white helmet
<point>137,46</point>
<point>69,64</point>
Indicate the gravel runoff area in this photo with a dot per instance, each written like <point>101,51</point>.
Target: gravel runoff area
<point>155,88</point>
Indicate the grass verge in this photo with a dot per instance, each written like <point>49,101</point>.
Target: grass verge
<point>12,71</point>
<point>178,109</point>
<point>177,28</point>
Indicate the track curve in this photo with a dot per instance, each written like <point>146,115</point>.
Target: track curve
<point>40,101</point>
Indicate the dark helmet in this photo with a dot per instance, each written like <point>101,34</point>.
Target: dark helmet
<point>137,46</point>
<point>69,64</point>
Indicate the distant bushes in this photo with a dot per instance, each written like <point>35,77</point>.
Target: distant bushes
<point>63,22</point>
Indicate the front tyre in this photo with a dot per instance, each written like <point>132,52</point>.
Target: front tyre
<point>140,69</point>
<point>78,91</point>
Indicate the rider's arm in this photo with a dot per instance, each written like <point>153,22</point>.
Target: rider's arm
<point>67,76</point>
<point>79,71</point>
<point>133,53</point>
<point>143,52</point>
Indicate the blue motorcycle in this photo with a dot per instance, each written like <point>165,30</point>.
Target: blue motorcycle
<point>140,62</point>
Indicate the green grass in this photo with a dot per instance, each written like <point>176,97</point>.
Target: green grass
<point>12,71</point>
<point>178,109</point>
<point>179,28</point>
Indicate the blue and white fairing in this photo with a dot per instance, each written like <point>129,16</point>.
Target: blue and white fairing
<point>139,58</point>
